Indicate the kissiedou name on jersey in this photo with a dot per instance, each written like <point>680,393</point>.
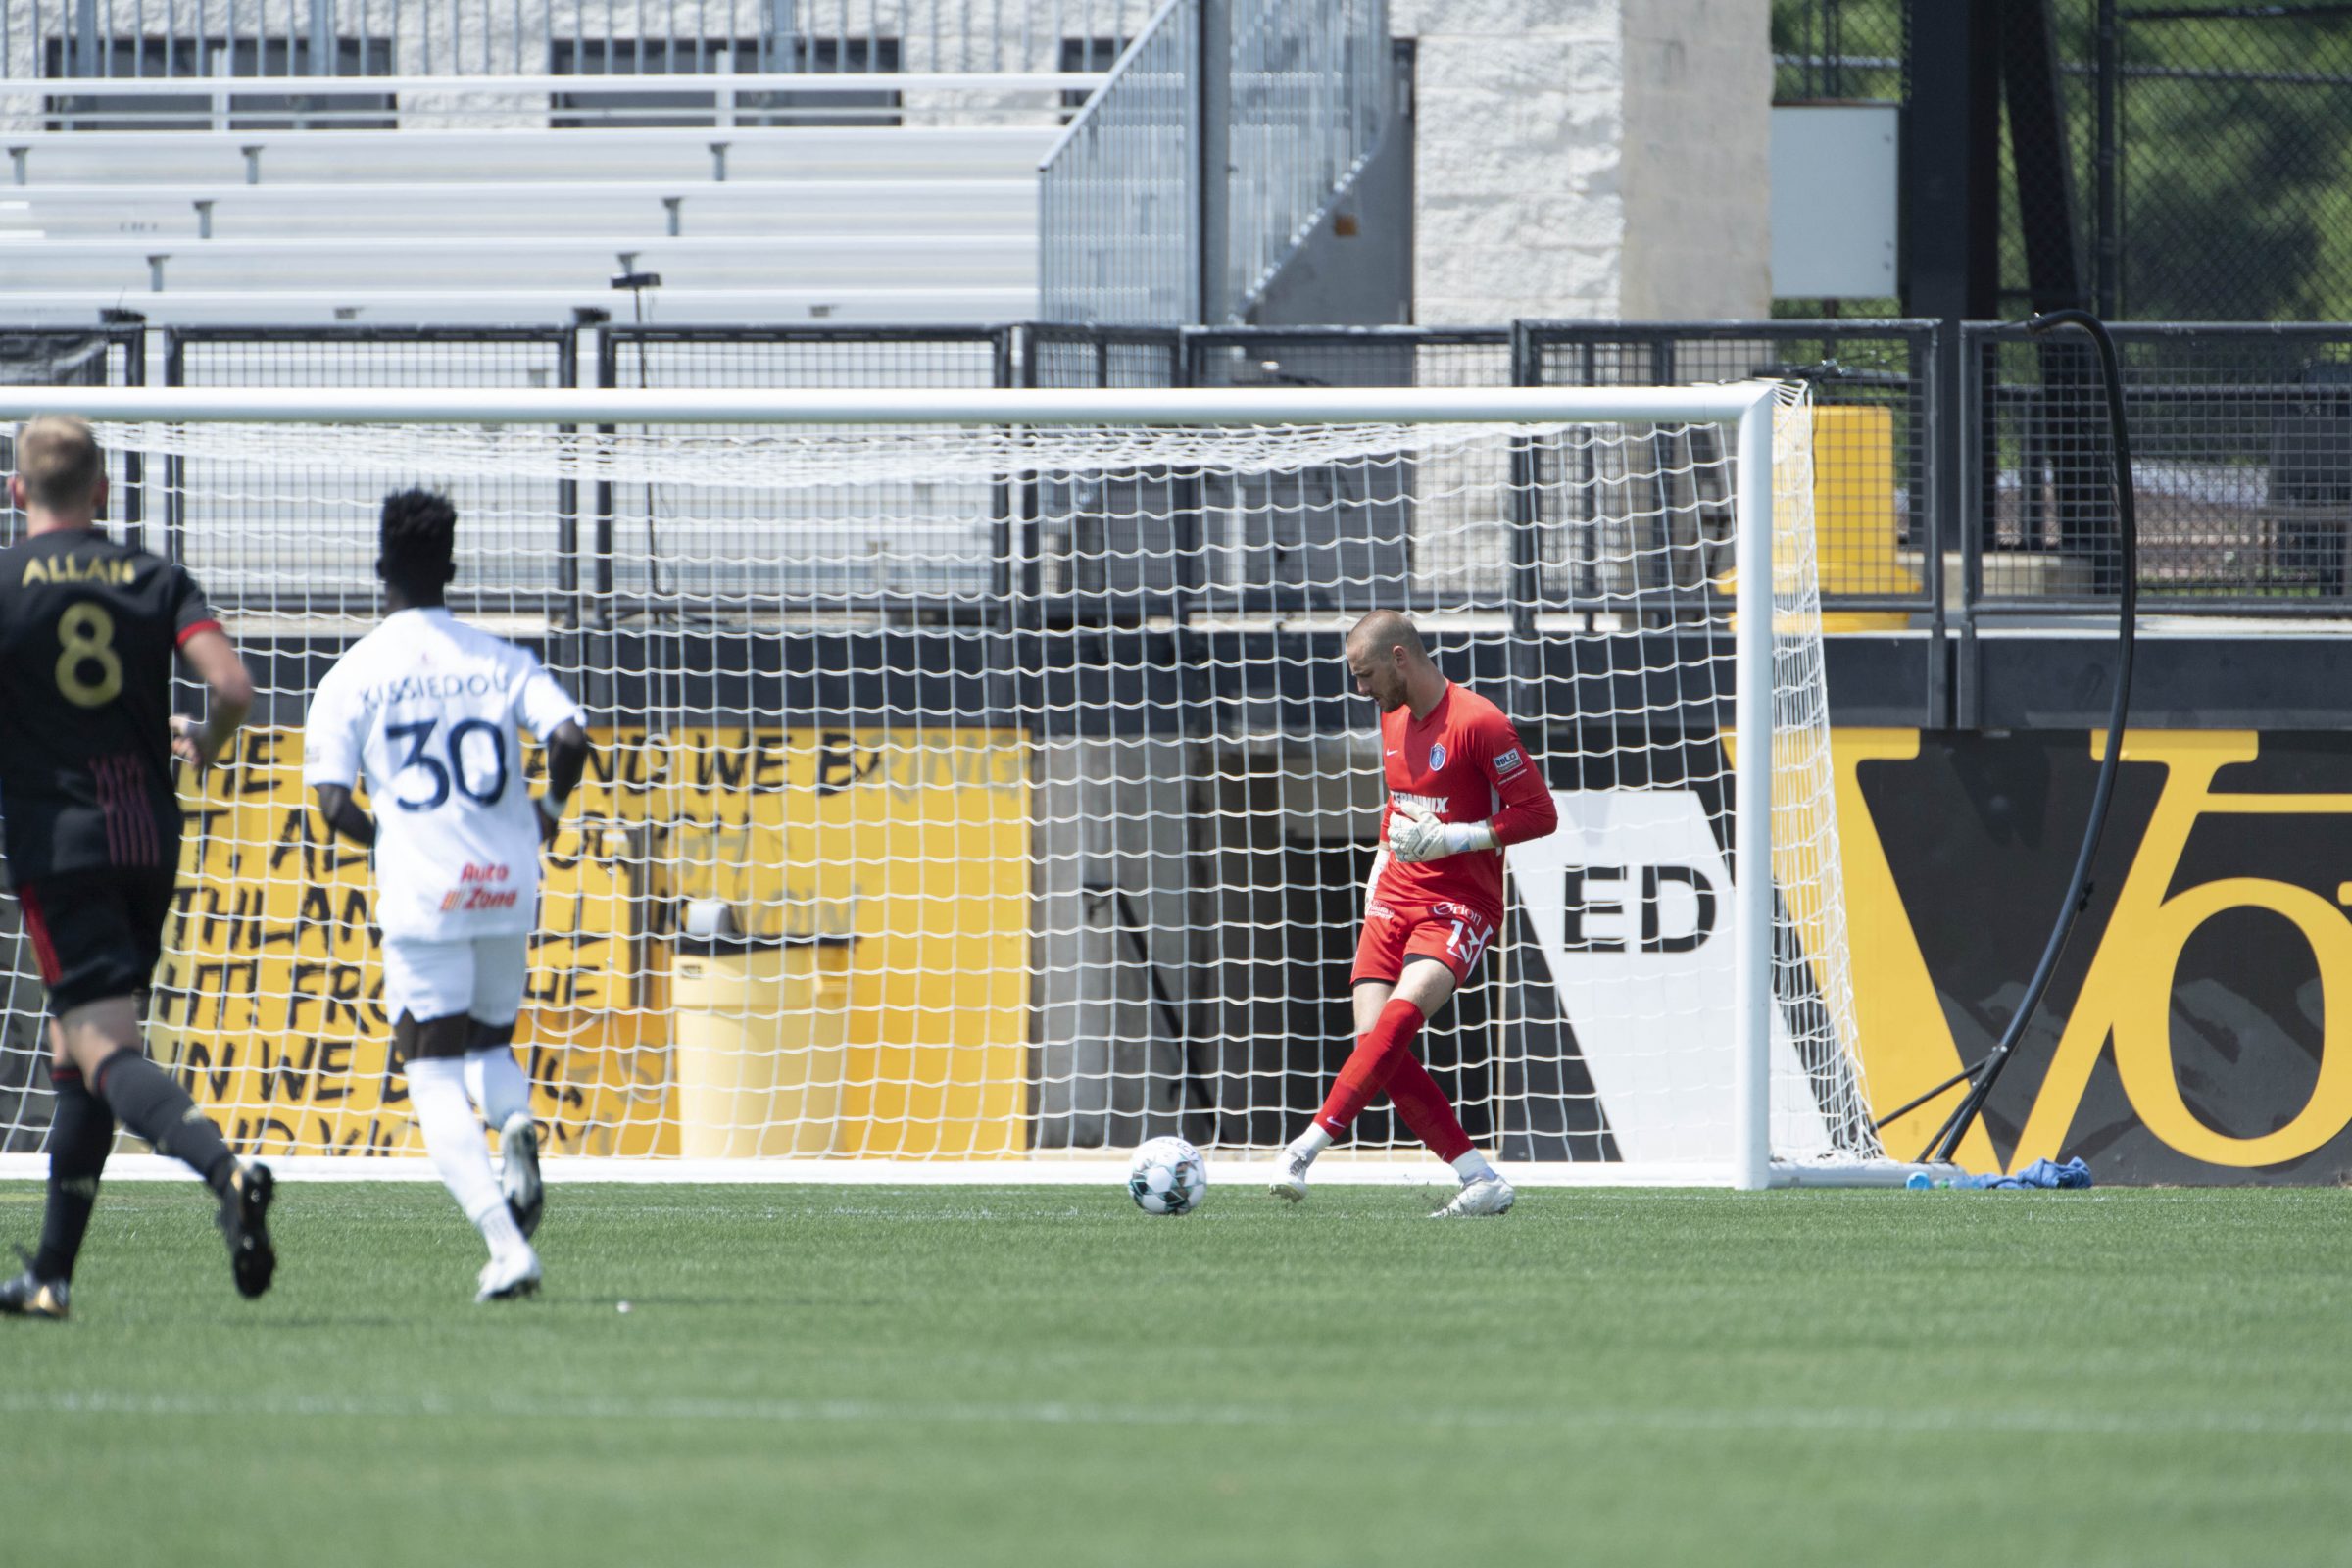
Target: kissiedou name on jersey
<point>436,688</point>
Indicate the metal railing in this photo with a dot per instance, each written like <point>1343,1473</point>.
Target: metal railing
<point>723,98</point>
<point>2242,435</point>
<point>110,355</point>
<point>1308,102</point>
<point>1223,135</point>
<point>257,39</point>
<point>247,557</point>
<point>2241,443</point>
<point>1118,195</point>
<point>1874,384</point>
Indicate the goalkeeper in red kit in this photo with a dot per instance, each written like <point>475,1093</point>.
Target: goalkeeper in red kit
<point>1461,788</point>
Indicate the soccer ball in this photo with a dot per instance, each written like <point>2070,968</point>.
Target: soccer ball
<point>1167,1177</point>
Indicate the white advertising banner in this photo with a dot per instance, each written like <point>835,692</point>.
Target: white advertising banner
<point>1630,904</point>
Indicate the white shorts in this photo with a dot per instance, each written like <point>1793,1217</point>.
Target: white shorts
<point>482,977</point>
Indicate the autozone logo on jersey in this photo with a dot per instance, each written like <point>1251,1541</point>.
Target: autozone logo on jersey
<point>478,889</point>
<point>1380,911</point>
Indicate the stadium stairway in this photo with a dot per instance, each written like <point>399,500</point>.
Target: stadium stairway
<point>748,225</point>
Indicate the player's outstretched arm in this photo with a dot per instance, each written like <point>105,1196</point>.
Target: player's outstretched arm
<point>214,657</point>
<point>343,815</point>
<point>568,752</point>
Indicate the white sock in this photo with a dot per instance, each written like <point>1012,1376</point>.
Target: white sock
<point>1473,1167</point>
<point>499,1229</point>
<point>1310,1143</point>
<point>496,1084</point>
<point>453,1136</point>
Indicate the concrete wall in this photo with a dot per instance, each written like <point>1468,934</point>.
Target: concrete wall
<point>1591,159</point>
<point>1697,173</point>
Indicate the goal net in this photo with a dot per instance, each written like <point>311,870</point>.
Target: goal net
<point>979,782</point>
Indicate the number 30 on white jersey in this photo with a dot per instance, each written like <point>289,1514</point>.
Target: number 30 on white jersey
<point>428,713</point>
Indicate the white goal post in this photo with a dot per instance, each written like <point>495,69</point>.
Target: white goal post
<point>980,791</point>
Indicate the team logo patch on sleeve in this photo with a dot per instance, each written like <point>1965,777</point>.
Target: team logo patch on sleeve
<point>1507,762</point>
<point>1437,754</point>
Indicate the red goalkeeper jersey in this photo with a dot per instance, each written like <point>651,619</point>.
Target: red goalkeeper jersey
<point>1464,762</point>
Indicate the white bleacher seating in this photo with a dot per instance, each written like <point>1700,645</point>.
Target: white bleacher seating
<point>842,223</point>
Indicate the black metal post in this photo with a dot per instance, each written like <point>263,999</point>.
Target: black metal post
<point>567,491</point>
<point>2107,170</point>
<point>175,506</point>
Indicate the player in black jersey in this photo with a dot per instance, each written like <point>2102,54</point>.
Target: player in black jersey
<point>88,631</point>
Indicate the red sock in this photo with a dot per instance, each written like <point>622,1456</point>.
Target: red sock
<point>1366,1072</point>
<point>1427,1112</point>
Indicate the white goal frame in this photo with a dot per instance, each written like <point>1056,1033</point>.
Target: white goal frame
<point>1746,409</point>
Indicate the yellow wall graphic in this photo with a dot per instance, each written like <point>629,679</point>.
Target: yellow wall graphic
<point>2126,998</point>
<point>916,843</point>
<point>1905,1044</point>
<point>2124,1008</point>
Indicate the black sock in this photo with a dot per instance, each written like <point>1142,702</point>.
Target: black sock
<point>80,1140</point>
<point>150,1102</point>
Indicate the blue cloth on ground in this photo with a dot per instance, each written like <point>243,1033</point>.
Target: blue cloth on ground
<point>2042,1173</point>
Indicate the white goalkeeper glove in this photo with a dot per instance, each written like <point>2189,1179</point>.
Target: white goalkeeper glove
<point>1415,835</point>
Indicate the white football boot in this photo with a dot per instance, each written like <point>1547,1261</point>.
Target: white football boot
<point>509,1278</point>
<point>1488,1195</point>
<point>519,1175</point>
<point>1289,1176</point>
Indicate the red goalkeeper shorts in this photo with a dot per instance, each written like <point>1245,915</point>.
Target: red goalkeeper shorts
<point>1453,934</point>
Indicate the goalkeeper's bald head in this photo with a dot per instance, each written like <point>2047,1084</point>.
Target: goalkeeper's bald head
<point>1387,631</point>
<point>1388,658</point>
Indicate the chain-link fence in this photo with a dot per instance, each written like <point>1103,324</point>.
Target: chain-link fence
<point>1872,384</point>
<point>2245,437</point>
<point>2242,468</point>
<point>1837,50</point>
<point>256,555</point>
<point>2163,162</point>
<point>2230,129</point>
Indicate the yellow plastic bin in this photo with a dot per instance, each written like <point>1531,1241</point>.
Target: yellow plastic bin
<point>761,1037</point>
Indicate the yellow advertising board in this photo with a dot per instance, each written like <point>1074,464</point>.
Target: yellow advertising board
<point>912,844</point>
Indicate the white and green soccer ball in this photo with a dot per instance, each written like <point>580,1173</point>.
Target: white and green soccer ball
<point>1167,1177</point>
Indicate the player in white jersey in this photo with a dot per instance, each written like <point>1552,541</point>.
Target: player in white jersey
<point>428,709</point>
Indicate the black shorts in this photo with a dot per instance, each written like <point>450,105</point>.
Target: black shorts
<point>97,934</point>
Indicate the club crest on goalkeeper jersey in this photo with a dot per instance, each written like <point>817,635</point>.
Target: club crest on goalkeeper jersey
<point>1465,763</point>
<point>427,710</point>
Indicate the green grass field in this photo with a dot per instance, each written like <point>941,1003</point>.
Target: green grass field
<point>1044,1376</point>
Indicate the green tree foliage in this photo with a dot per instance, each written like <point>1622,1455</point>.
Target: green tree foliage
<point>2234,139</point>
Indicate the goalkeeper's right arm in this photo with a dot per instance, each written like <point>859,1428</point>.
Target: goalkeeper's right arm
<point>1380,860</point>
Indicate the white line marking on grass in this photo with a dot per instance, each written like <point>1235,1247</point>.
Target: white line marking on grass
<point>1857,1421</point>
